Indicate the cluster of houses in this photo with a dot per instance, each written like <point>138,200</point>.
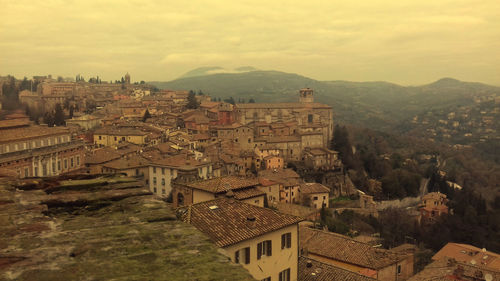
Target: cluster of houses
<point>224,167</point>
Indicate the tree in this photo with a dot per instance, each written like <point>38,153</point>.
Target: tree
<point>230,100</point>
<point>59,115</point>
<point>10,92</point>
<point>48,119</point>
<point>146,116</point>
<point>192,102</point>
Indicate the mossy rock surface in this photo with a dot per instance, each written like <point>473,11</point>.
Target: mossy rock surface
<point>107,229</point>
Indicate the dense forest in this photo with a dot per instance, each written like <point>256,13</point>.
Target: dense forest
<point>401,164</point>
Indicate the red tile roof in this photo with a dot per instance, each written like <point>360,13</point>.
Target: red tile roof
<point>342,248</point>
<point>312,270</point>
<point>309,188</point>
<point>228,221</point>
<point>223,184</point>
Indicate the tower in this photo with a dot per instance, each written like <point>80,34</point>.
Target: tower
<point>127,78</point>
<point>306,95</point>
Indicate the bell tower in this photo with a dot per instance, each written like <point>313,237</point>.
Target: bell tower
<point>306,95</point>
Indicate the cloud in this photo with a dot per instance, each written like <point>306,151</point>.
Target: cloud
<point>159,40</point>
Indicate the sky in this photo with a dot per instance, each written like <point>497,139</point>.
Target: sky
<point>402,41</point>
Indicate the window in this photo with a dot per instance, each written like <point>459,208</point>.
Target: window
<point>100,138</point>
<point>266,279</point>
<point>309,118</point>
<point>154,190</point>
<point>162,171</point>
<point>26,172</point>
<point>163,191</point>
<point>154,170</point>
<point>162,181</point>
<point>242,255</point>
<point>315,198</point>
<point>264,248</point>
<point>286,240</point>
<point>136,172</point>
<point>65,164</point>
<point>58,165</point>
<point>115,138</point>
<point>123,138</point>
<point>53,166</point>
<point>399,269</point>
<point>154,180</point>
<point>284,275</point>
<point>72,162</point>
<point>36,171</point>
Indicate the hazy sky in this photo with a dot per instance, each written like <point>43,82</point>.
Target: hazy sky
<point>407,42</point>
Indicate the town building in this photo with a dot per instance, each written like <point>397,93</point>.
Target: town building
<point>433,205</point>
<point>243,189</point>
<point>184,168</point>
<point>310,116</point>
<point>289,182</point>
<point>451,269</point>
<point>315,195</point>
<point>263,241</point>
<point>39,151</point>
<point>112,136</point>
<point>349,254</point>
<point>469,254</point>
<point>313,270</point>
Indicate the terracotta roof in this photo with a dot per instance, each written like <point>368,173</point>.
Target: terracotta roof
<point>223,184</point>
<point>342,248</point>
<point>127,163</point>
<point>314,187</point>
<point>312,270</point>
<point>266,182</point>
<point>102,155</point>
<point>449,269</point>
<point>295,105</point>
<point>468,253</point>
<point>24,133</point>
<point>279,174</point>
<point>179,161</point>
<point>246,193</point>
<point>112,131</point>
<point>227,221</point>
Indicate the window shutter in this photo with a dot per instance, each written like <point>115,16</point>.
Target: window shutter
<point>283,241</point>
<point>247,255</point>
<point>289,240</point>
<point>259,250</point>
<point>237,256</point>
<point>269,248</point>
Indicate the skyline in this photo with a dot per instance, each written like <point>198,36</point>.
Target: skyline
<point>404,42</point>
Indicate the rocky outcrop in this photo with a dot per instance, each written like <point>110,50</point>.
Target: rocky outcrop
<point>101,228</point>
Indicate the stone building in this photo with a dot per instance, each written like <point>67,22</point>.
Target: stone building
<point>39,151</point>
<point>310,116</point>
<point>362,258</point>
<point>263,241</point>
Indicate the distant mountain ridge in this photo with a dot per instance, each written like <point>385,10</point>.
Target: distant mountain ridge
<point>378,105</point>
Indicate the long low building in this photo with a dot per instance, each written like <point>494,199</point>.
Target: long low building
<point>40,151</point>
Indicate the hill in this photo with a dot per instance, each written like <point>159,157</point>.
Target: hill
<point>378,105</point>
